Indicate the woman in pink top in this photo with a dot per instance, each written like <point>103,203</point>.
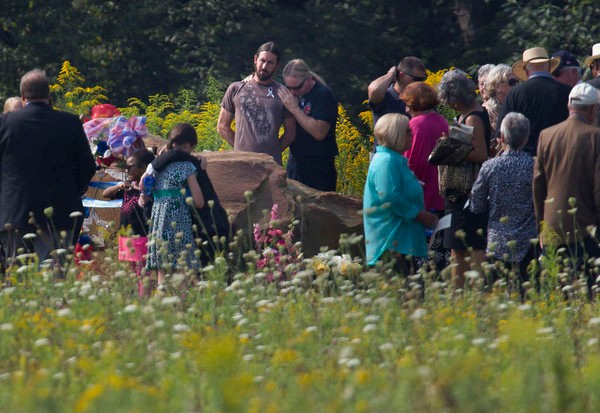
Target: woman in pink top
<point>427,127</point>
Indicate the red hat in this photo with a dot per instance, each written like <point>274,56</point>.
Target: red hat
<point>106,110</point>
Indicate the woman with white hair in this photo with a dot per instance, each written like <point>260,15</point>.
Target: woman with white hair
<point>482,75</point>
<point>394,213</point>
<point>498,83</point>
<point>503,189</point>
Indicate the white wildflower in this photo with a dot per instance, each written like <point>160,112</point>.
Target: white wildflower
<point>63,312</point>
<point>181,327</point>
<point>472,275</point>
<point>41,342</point>
<point>594,321</point>
<point>170,300</point>
<point>545,330</point>
<point>130,308</point>
<point>369,327</point>
<point>524,307</point>
<point>371,318</point>
<point>418,314</point>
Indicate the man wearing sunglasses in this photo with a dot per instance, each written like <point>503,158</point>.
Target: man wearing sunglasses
<point>384,92</point>
<point>315,107</point>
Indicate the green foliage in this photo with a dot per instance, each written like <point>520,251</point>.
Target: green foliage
<point>162,114</point>
<point>214,90</point>
<point>533,23</point>
<point>181,45</point>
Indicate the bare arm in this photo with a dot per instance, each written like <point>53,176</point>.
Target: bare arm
<point>289,132</point>
<point>197,196</point>
<point>317,128</point>
<point>224,126</point>
<point>377,88</point>
<point>112,190</point>
<point>479,152</point>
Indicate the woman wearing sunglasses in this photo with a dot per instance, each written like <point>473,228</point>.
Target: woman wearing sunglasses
<point>498,83</point>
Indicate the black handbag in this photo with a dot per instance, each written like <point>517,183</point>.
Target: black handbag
<point>452,149</point>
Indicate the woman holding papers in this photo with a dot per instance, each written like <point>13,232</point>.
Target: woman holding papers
<point>394,213</point>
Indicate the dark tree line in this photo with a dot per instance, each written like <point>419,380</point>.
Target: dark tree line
<point>137,48</point>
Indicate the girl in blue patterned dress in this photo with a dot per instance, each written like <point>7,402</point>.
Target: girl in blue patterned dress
<point>171,236</point>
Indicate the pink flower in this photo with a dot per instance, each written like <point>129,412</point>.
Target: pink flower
<point>257,232</point>
<point>275,212</point>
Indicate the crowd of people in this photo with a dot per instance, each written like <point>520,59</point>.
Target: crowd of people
<point>526,182</point>
<point>532,155</point>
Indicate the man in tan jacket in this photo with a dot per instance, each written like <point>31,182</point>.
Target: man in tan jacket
<point>566,181</point>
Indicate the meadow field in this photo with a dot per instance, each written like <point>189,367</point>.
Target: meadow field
<point>320,334</point>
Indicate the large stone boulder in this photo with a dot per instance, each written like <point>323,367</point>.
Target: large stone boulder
<point>248,184</point>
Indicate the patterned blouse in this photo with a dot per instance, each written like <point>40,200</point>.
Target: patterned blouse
<point>493,107</point>
<point>503,188</point>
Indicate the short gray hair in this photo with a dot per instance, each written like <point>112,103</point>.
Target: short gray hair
<point>35,85</point>
<point>456,88</point>
<point>498,75</point>
<point>515,129</point>
<point>485,70</point>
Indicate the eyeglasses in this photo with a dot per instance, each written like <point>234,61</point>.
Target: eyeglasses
<point>295,88</point>
<point>128,167</point>
<point>512,82</point>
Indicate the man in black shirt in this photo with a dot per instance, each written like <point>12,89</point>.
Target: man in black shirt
<point>540,98</point>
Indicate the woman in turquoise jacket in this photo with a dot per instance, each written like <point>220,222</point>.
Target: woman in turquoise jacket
<point>394,214</point>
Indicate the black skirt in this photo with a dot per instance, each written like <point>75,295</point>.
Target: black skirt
<point>467,230</point>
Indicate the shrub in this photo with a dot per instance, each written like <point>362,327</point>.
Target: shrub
<point>70,95</point>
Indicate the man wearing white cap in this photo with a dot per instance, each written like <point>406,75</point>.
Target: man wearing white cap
<point>566,180</point>
<point>540,98</point>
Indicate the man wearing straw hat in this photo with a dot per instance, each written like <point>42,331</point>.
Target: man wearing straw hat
<point>593,62</point>
<point>540,98</point>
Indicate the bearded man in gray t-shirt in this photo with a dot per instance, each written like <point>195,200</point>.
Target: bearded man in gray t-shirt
<point>257,109</point>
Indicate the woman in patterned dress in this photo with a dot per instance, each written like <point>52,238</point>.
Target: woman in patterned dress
<point>503,190</point>
<point>172,239</point>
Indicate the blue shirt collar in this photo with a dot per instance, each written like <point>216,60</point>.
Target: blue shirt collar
<point>540,74</point>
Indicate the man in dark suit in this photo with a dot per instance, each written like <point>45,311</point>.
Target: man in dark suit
<point>540,98</point>
<point>45,166</point>
<point>566,180</point>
